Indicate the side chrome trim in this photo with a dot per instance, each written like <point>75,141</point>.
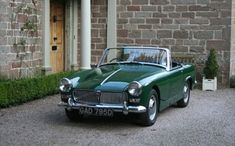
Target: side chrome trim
<point>116,108</point>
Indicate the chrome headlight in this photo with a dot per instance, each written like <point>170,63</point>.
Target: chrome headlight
<point>65,85</point>
<point>135,88</point>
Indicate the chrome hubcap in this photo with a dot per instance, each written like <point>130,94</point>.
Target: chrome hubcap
<point>186,93</point>
<point>152,107</point>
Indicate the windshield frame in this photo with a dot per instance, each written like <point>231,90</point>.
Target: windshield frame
<point>167,67</point>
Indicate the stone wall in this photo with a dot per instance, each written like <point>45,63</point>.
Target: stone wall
<point>98,29</point>
<point>184,26</point>
<point>20,41</point>
<point>232,55</point>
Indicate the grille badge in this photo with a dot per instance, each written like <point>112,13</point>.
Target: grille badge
<point>98,94</point>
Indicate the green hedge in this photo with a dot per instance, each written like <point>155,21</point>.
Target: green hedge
<point>23,90</point>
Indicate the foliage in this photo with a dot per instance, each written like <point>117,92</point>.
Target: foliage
<point>211,67</point>
<point>3,78</point>
<point>23,90</point>
<point>232,81</point>
<point>26,41</point>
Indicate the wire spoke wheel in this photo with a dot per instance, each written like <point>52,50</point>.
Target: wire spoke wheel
<point>152,107</point>
<point>186,95</point>
<point>150,116</point>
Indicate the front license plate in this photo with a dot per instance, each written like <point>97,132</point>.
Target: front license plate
<point>96,111</point>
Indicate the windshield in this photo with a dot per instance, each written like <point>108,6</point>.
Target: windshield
<point>135,55</point>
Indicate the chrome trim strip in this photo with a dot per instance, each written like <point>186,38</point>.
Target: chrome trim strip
<point>168,53</point>
<point>115,108</point>
<point>110,76</point>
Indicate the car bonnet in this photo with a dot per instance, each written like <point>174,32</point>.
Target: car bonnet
<point>116,78</point>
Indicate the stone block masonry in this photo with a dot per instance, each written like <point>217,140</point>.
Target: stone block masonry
<point>20,40</point>
<point>184,26</point>
<point>232,51</point>
<point>98,31</point>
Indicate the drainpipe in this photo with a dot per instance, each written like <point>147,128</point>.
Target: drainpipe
<point>111,26</point>
<point>85,34</point>
<point>46,38</point>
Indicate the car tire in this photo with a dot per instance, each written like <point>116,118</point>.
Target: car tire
<point>73,115</point>
<point>150,116</point>
<point>186,95</point>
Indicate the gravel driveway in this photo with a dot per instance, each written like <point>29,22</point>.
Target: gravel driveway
<point>208,120</point>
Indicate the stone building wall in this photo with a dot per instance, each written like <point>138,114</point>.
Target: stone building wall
<point>20,38</point>
<point>232,55</point>
<point>98,29</point>
<point>184,26</point>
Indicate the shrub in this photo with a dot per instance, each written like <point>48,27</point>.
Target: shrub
<point>211,68</point>
<point>3,78</point>
<point>22,90</point>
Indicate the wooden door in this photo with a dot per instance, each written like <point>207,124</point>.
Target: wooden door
<point>57,36</point>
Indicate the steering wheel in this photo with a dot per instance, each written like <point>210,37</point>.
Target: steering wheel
<point>117,59</point>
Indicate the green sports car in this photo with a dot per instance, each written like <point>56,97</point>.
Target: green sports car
<point>141,81</point>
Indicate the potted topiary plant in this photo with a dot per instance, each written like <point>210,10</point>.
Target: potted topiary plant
<point>210,71</point>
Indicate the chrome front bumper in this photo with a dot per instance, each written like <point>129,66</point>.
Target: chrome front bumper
<point>116,108</point>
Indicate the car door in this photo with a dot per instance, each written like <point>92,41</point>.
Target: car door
<point>176,83</point>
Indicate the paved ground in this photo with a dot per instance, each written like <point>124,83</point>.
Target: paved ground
<point>208,120</point>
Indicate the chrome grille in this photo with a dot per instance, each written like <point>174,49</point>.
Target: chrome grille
<point>112,98</point>
<point>85,96</point>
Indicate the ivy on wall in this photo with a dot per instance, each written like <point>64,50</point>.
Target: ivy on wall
<point>24,24</point>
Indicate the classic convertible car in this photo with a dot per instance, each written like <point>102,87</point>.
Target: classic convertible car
<point>141,81</point>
